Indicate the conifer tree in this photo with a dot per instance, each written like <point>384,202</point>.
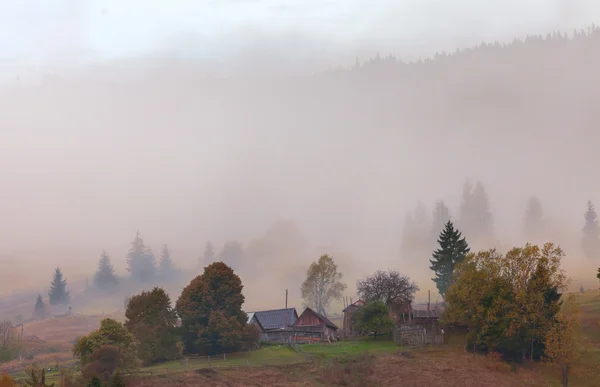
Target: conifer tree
<point>591,235</point>
<point>209,254</point>
<point>441,215</point>
<point>166,267</point>
<point>476,219</point>
<point>140,261</point>
<point>39,310</point>
<point>105,277</point>
<point>533,223</point>
<point>58,293</point>
<point>452,251</point>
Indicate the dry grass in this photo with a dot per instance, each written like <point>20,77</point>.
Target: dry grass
<point>445,367</point>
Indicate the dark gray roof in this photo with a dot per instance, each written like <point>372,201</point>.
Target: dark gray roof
<point>276,319</point>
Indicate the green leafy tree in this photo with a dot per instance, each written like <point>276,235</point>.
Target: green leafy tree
<point>591,233</point>
<point>322,285</point>
<point>111,333</point>
<point>452,251</point>
<point>210,308</point>
<point>58,293</point>
<point>151,320</point>
<point>39,310</point>
<point>140,261</point>
<point>390,287</point>
<point>105,277</point>
<point>373,317</point>
<point>103,363</point>
<point>508,301</point>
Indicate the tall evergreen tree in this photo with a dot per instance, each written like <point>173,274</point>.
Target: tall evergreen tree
<point>140,261</point>
<point>232,254</point>
<point>533,227</point>
<point>39,310</point>
<point>415,232</point>
<point>166,267</point>
<point>209,254</point>
<point>475,217</point>
<point>591,235</point>
<point>452,251</point>
<point>105,277</point>
<point>58,293</point>
<point>441,215</point>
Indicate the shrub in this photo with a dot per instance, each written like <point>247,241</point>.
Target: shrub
<point>6,380</point>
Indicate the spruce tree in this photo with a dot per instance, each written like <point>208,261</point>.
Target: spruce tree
<point>533,223</point>
<point>39,310</point>
<point>105,277</point>
<point>140,261</point>
<point>475,217</point>
<point>209,254</point>
<point>441,215</point>
<point>58,293</point>
<point>166,267</point>
<point>591,236</point>
<point>453,249</point>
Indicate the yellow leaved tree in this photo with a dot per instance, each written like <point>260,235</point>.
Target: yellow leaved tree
<point>564,342</point>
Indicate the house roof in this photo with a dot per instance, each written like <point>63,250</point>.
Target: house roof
<point>276,319</point>
<point>327,322</point>
<point>356,304</point>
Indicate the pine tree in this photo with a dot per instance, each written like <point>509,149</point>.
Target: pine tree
<point>476,219</point>
<point>441,215</point>
<point>140,261</point>
<point>209,254</point>
<point>166,267</point>
<point>39,310</point>
<point>58,293</point>
<point>105,277</point>
<point>533,223</point>
<point>452,251</point>
<point>591,236</point>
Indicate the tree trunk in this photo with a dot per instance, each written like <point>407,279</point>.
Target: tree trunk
<point>475,340</point>
<point>375,335</point>
<point>565,376</point>
<point>531,354</point>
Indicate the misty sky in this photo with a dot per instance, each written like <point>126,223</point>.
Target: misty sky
<point>91,162</point>
<point>34,31</point>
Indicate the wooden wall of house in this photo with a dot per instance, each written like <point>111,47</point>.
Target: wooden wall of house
<point>308,319</point>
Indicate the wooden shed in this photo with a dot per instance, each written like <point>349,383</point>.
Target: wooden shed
<point>311,319</point>
<point>348,325</point>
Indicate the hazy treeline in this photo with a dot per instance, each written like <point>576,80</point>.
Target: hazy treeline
<point>345,154</point>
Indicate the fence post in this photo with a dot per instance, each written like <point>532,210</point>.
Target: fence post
<point>224,357</point>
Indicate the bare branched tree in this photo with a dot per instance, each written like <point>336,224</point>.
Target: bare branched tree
<point>7,335</point>
<point>390,287</point>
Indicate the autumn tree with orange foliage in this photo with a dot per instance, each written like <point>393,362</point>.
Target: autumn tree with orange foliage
<point>6,380</point>
<point>210,308</point>
<point>564,342</point>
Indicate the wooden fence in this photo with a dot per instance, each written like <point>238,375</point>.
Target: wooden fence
<point>417,336</point>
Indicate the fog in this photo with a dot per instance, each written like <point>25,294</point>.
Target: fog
<point>201,133</point>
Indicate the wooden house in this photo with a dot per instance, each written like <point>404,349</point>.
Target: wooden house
<point>348,325</point>
<point>274,325</point>
<point>314,322</point>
